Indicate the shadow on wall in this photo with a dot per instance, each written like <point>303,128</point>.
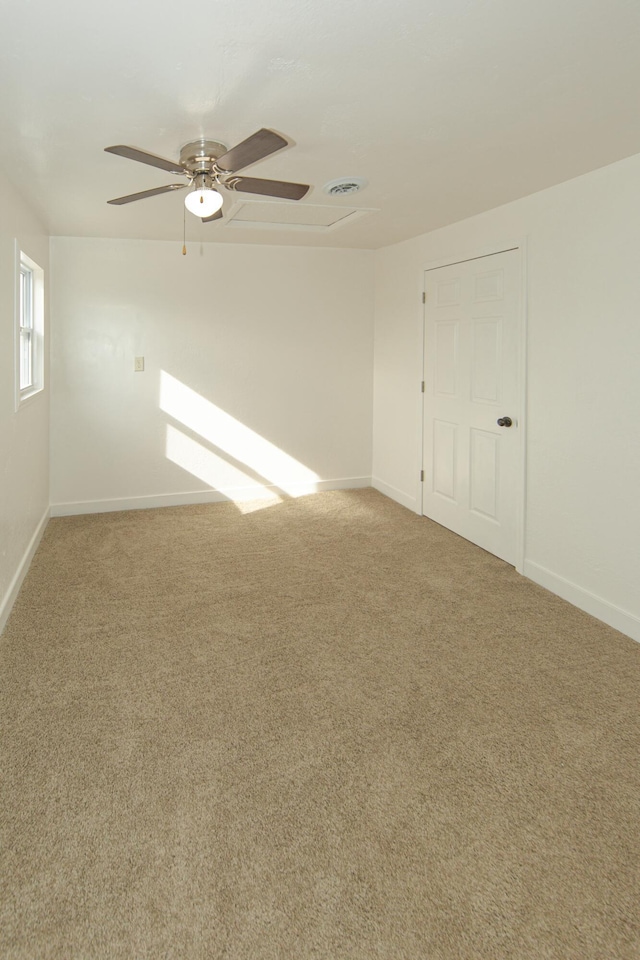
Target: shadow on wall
<point>227,455</point>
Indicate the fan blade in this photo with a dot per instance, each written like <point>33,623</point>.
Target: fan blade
<point>256,147</point>
<point>214,216</point>
<point>132,153</point>
<point>149,193</point>
<point>269,188</point>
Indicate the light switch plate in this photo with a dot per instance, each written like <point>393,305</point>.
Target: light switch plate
<point>138,366</point>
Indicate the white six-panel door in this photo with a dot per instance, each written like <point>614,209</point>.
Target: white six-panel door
<point>471,463</point>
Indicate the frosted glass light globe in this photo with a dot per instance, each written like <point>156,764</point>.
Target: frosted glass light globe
<point>203,203</point>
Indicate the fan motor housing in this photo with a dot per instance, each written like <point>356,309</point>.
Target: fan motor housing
<point>199,156</point>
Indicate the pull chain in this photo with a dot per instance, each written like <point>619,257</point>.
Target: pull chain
<point>184,231</point>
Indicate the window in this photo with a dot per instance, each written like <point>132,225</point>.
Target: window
<point>27,338</point>
<point>30,328</point>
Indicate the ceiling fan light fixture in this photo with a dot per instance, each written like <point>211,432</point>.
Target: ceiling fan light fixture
<point>208,164</point>
<point>203,201</point>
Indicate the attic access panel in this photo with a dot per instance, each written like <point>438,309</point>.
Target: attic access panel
<point>264,214</point>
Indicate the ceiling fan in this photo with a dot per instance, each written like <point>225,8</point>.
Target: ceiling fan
<point>207,165</point>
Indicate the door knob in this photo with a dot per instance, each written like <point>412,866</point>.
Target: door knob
<point>505,422</point>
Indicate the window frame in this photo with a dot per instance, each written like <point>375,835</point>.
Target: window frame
<point>29,327</point>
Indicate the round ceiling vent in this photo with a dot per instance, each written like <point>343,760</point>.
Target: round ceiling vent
<point>344,185</point>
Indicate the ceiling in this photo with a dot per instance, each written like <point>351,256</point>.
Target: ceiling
<point>445,107</point>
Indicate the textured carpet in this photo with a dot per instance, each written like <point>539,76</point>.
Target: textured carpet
<point>327,728</point>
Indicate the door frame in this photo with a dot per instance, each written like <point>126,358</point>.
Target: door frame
<point>521,373</point>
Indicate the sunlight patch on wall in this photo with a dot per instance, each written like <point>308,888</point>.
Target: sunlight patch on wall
<point>217,472</point>
<point>234,438</point>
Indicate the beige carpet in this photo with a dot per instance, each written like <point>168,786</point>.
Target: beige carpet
<point>324,729</point>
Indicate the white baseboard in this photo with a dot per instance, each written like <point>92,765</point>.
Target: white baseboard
<point>394,494</point>
<point>589,602</point>
<point>203,496</point>
<point>9,598</point>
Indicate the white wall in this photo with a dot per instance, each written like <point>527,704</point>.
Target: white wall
<point>24,434</point>
<point>583,450</point>
<point>258,371</point>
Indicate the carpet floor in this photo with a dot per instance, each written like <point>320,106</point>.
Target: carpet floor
<point>324,729</point>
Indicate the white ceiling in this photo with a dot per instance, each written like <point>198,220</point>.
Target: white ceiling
<point>446,107</point>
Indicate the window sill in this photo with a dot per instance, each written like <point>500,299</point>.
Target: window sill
<point>28,396</point>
